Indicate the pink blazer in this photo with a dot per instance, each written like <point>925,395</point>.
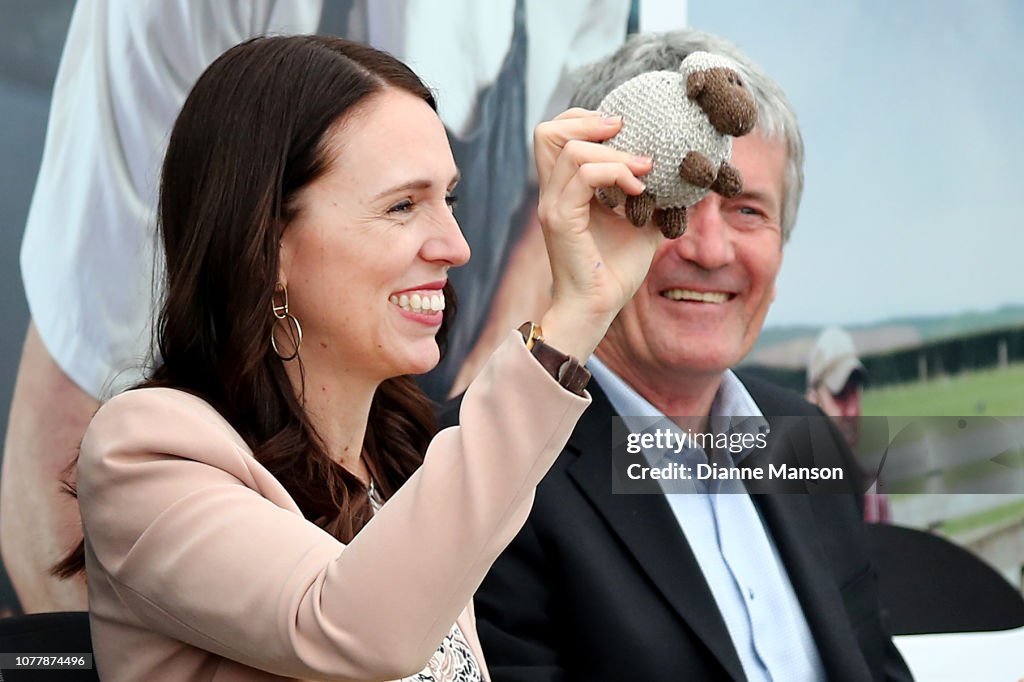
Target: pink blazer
<point>201,567</point>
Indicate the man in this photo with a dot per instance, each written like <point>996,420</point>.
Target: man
<point>835,380</point>
<point>835,383</point>
<point>603,586</point>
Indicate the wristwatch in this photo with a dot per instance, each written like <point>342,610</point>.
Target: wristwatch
<point>565,369</point>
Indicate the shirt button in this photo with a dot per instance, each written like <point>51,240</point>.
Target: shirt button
<point>750,593</point>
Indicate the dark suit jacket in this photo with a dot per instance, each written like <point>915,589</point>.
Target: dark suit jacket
<point>605,587</point>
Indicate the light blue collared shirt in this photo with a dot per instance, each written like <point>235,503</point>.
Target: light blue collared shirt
<point>727,535</point>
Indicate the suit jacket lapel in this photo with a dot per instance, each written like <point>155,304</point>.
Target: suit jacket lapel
<point>646,526</point>
<point>790,520</point>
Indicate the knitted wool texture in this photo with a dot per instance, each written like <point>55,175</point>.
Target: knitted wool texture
<point>660,121</point>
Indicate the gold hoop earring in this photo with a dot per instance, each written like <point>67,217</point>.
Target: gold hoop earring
<point>294,329</point>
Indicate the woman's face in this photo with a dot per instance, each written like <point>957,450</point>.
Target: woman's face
<point>369,250</point>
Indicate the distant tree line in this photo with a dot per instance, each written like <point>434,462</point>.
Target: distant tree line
<point>946,357</point>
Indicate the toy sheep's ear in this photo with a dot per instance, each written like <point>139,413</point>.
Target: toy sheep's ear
<point>695,84</point>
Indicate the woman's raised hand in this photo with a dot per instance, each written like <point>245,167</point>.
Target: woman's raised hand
<point>598,259</point>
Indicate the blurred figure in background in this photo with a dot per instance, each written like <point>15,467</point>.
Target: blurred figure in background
<point>835,383</point>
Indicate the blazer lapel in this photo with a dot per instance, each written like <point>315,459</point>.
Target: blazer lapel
<point>646,526</point>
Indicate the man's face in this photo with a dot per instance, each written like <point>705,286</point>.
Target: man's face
<point>706,296</point>
<point>845,408</point>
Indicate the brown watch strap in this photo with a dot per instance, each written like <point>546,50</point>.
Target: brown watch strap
<point>565,369</point>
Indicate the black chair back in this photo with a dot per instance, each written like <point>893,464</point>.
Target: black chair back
<point>930,585</point>
<point>47,633</point>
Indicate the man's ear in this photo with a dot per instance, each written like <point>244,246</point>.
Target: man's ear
<point>775,282</point>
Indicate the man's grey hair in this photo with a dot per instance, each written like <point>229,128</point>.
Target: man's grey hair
<point>644,52</point>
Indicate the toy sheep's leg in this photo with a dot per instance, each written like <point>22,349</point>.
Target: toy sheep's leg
<point>610,196</point>
<point>729,182</point>
<point>697,169</point>
<point>640,208</point>
<point>672,221</point>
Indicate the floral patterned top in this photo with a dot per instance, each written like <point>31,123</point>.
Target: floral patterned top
<point>452,662</point>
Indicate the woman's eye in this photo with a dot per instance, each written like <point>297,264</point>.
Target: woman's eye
<point>451,200</point>
<point>403,206</point>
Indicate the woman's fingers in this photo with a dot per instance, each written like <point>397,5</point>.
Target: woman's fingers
<point>576,112</point>
<point>568,205</point>
<point>581,168</point>
<point>577,154</point>
<point>550,137</point>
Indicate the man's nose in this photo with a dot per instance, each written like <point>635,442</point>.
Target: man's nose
<point>707,241</point>
<point>851,406</point>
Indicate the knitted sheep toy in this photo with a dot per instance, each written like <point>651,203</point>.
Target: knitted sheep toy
<point>684,120</point>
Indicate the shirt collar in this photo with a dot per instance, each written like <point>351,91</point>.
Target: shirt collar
<point>733,410</point>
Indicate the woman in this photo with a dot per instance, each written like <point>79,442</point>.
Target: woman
<point>261,507</point>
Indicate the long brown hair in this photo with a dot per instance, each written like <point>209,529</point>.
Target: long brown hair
<point>250,136</point>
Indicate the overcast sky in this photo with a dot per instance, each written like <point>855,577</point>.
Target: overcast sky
<point>913,117</point>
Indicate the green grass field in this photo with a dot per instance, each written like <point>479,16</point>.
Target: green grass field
<point>997,393</point>
<point>984,519</point>
<point>1000,393</point>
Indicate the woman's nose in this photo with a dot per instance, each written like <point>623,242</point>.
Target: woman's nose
<point>448,245</point>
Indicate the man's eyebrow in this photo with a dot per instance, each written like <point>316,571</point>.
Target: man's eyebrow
<point>758,195</point>
<point>420,183</point>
